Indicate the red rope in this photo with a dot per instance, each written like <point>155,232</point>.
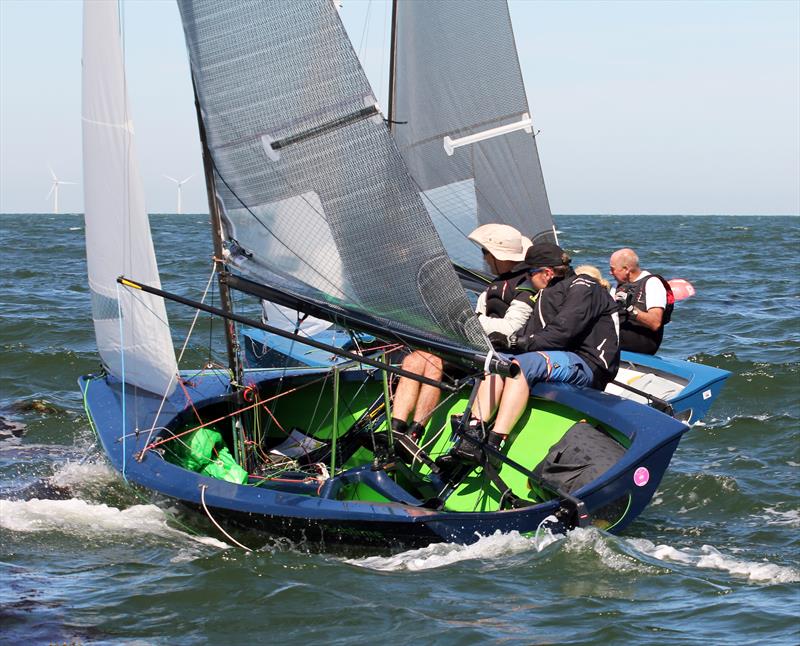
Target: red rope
<point>189,400</point>
<point>229,415</point>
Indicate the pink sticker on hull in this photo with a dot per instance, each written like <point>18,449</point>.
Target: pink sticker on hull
<point>641,477</point>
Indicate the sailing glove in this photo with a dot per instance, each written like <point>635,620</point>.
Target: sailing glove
<point>502,342</point>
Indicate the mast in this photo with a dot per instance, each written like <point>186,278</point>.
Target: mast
<point>231,339</point>
<point>392,43</point>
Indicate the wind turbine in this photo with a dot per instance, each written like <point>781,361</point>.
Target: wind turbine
<point>54,190</point>
<point>179,184</point>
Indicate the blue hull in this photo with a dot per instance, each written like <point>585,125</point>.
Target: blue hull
<point>305,513</point>
<point>703,383</point>
<point>264,350</point>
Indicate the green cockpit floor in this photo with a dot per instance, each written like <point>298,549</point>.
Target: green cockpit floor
<point>542,425</point>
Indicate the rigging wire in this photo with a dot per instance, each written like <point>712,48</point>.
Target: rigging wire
<point>159,442</point>
<point>124,389</point>
<point>364,31</point>
<point>180,357</point>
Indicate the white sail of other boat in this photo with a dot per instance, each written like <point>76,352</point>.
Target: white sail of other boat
<point>131,327</point>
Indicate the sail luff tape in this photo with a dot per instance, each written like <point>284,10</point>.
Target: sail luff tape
<point>450,144</point>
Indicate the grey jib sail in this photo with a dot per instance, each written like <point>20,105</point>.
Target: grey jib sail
<point>462,121</point>
<point>316,199</point>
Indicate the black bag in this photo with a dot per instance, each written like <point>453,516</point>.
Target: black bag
<point>583,454</point>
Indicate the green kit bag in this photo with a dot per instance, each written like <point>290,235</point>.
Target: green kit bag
<point>204,451</point>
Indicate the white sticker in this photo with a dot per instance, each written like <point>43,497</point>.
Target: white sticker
<point>706,394</point>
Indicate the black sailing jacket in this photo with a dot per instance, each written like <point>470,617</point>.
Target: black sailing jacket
<point>576,314</point>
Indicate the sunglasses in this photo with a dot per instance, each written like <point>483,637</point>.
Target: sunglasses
<point>536,271</point>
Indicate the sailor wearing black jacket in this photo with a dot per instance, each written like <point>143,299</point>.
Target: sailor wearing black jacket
<point>572,337</point>
<point>575,313</point>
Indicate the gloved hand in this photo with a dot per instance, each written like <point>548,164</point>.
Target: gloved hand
<point>502,342</point>
<point>624,299</point>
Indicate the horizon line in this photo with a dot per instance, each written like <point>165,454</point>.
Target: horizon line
<point>555,215</point>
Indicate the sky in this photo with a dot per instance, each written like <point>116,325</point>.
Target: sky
<point>642,107</point>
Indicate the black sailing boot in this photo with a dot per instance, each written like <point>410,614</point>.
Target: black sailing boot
<point>467,447</point>
<point>416,431</point>
<point>399,426</point>
<point>494,440</point>
<point>405,438</point>
<point>470,446</point>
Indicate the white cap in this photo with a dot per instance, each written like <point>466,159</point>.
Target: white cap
<point>504,242</point>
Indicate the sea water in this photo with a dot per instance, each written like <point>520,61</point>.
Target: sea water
<point>714,559</point>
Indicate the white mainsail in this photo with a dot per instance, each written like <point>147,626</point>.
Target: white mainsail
<point>138,347</point>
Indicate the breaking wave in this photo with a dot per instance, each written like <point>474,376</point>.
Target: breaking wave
<point>77,517</point>
<point>708,557</point>
<point>631,555</point>
<point>440,555</point>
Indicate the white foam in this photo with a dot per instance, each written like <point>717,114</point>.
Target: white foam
<point>708,557</point>
<point>78,517</point>
<point>75,474</point>
<point>591,539</point>
<point>441,554</point>
<point>790,517</point>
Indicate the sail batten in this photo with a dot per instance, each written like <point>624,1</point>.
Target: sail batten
<point>315,196</point>
<point>131,329</point>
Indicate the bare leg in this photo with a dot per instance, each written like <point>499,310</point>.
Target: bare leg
<point>489,393</point>
<point>405,397</point>
<point>428,396</point>
<point>512,405</point>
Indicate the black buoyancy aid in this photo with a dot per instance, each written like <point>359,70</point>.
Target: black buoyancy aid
<point>502,292</point>
<point>637,338</point>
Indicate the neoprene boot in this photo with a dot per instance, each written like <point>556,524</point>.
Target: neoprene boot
<point>495,440</point>
<point>399,426</point>
<point>470,448</point>
<point>467,447</point>
<point>415,431</point>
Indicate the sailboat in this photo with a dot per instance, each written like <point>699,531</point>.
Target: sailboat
<point>319,206</point>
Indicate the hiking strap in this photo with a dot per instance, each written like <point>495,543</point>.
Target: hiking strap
<point>508,499</point>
